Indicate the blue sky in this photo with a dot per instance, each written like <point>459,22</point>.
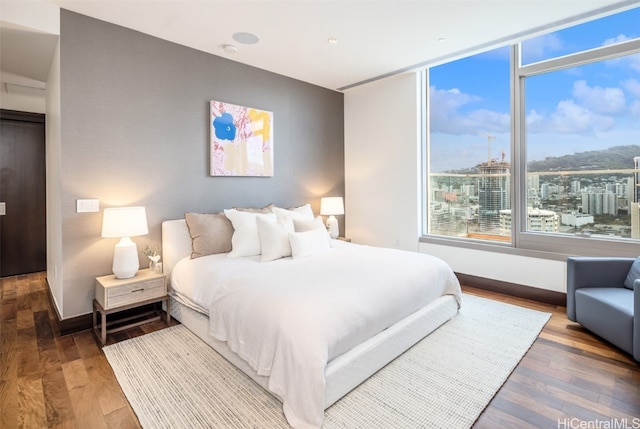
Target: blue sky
<point>590,107</point>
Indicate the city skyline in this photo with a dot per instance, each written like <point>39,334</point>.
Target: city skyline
<point>590,107</point>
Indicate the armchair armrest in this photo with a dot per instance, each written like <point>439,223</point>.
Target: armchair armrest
<point>587,271</point>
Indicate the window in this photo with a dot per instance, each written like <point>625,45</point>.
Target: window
<point>593,34</point>
<point>581,140</point>
<point>539,153</point>
<point>469,179</point>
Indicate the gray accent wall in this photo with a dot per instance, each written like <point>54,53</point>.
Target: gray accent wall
<point>134,130</point>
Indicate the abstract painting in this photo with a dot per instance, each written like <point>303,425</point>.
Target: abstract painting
<point>241,140</point>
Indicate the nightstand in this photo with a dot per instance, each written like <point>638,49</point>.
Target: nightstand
<point>348,240</point>
<point>113,295</point>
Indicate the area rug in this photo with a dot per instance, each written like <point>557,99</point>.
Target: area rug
<point>172,379</point>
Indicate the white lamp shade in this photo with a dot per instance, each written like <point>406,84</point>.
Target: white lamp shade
<point>331,206</point>
<point>125,222</point>
<point>121,222</point>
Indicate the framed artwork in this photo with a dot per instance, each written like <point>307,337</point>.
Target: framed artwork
<point>241,140</point>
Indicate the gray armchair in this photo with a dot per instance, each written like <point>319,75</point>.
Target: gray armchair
<point>599,301</point>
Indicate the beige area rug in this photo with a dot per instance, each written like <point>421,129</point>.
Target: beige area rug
<point>174,380</point>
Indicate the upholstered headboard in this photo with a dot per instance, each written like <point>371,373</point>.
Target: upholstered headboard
<point>176,244</point>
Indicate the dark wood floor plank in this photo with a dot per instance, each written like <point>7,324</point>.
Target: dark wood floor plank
<point>59,409</point>
<point>494,418</point>
<point>86,407</point>
<point>523,412</point>
<point>9,403</point>
<point>539,407</point>
<point>31,407</point>
<point>86,344</point>
<point>39,300</point>
<point>630,405</point>
<point>108,392</point>
<point>23,295</point>
<point>67,349</point>
<point>122,418</point>
<point>28,358</point>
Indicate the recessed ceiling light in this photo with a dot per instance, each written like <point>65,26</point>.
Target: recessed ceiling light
<point>230,49</point>
<point>246,38</point>
<point>332,40</point>
<point>441,39</point>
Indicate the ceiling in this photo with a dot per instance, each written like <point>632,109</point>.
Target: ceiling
<point>374,38</point>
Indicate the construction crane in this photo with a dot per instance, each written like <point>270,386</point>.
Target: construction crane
<point>489,138</point>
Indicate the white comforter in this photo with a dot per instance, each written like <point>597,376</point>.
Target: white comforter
<point>289,317</point>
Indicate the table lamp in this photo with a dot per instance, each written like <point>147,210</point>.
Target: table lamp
<point>331,206</point>
<point>124,223</point>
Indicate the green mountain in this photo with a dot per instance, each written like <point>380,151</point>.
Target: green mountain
<point>614,158</point>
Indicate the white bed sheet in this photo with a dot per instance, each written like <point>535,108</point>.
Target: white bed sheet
<point>193,280</point>
<point>288,286</point>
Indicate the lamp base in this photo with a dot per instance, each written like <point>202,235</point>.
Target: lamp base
<point>333,227</point>
<point>125,259</point>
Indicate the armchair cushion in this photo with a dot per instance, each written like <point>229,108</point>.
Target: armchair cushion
<point>633,274</point>
<point>607,312</point>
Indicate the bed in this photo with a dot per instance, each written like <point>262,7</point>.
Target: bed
<point>312,381</point>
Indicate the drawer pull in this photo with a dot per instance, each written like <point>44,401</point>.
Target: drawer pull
<point>137,290</point>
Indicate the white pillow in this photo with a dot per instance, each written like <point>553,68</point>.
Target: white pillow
<point>274,238</point>
<point>301,212</point>
<point>245,240</point>
<point>308,243</point>
<point>302,225</point>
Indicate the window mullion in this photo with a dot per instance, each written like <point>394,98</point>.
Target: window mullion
<point>585,57</point>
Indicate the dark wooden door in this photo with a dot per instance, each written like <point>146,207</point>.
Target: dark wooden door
<point>23,238</point>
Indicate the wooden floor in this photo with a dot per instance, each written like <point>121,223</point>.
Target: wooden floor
<point>567,377</point>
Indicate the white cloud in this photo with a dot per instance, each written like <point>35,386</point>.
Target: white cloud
<point>634,62</point>
<point>589,111</point>
<point>572,118</point>
<point>534,119</point>
<point>630,61</point>
<point>613,40</point>
<point>446,115</point>
<point>568,118</point>
<point>540,47</point>
<point>599,99</point>
<point>632,86</point>
<point>635,109</point>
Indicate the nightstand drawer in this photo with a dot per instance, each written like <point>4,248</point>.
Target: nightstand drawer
<point>129,294</point>
<point>112,292</point>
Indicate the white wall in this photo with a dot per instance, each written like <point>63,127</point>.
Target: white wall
<point>382,153</point>
<point>41,15</point>
<point>382,177</point>
<point>34,15</point>
<point>21,103</point>
<point>54,167</point>
<point>522,270</point>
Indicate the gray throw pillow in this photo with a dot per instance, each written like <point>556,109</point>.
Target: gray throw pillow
<point>210,233</point>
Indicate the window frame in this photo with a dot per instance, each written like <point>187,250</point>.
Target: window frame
<point>527,243</point>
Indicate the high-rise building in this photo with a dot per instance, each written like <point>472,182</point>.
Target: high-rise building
<point>575,187</point>
<point>597,203</point>
<point>636,179</point>
<point>634,202</point>
<point>537,220</point>
<point>493,194</point>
